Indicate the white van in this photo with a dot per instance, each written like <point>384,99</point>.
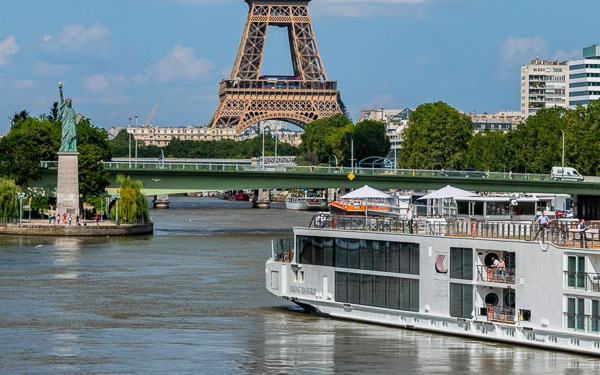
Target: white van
<point>569,174</point>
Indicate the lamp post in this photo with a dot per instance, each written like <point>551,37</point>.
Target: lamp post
<point>116,197</point>
<point>20,196</point>
<point>30,199</point>
<point>136,141</point>
<point>129,132</point>
<point>563,155</point>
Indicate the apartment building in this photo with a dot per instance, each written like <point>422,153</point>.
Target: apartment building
<point>584,77</point>
<point>544,84</point>
<point>394,119</point>
<point>500,121</point>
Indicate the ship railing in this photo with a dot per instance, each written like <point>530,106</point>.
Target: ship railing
<point>496,275</point>
<point>498,313</point>
<point>588,281</point>
<point>583,322</point>
<point>282,249</point>
<point>391,224</point>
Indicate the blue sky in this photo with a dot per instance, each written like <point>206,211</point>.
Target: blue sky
<point>120,58</point>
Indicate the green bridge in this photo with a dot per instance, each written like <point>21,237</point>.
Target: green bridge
<point>177,178</point>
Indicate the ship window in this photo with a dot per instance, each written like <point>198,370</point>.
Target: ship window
<point>575,313</point>
<point>595,318</point>
<point>366,255</point>
<point>341,252</point>
<point>327,251</point>
<point>372,290</point>
<point>341,286</point>
<point>393,257</point>
<point>576,272</point>
<point>461,263</point>
<point>526,315</point>
<point>379,252</point>
<point>461,300</point>
<point>366,290</point>
<point>353,254</point>
<point>379,291</point>
<point>354,288</point>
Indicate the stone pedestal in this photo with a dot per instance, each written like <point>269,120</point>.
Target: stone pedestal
<point>67,187</point>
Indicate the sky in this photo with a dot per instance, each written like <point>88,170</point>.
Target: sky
<point>120,58</point>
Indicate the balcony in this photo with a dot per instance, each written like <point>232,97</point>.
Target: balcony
<point>253,85</point>
<point>588,281</point>
<point>495,275</point>
<point>502,314</point>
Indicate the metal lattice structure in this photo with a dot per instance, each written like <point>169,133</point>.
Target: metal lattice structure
<point>247,98</point>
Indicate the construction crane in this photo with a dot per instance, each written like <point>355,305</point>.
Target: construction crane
<point>151,115</point>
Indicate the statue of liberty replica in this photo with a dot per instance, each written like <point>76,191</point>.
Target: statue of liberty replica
<point>67,187</point>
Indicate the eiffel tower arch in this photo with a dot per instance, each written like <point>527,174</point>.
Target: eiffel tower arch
<point>247,98</point>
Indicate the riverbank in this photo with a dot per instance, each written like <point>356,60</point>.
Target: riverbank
<point>92,229</point>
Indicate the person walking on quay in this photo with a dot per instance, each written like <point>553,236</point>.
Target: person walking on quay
<point>543,222</point>
<point>582,228</point>
<point>64,218</point>
<point>49,219</point>
<point>97,220</point>
<point>77,220</point>
<point>409,217</point>
<point>70,219</point>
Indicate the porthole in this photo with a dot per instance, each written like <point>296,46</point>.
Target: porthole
<point>491,299</point>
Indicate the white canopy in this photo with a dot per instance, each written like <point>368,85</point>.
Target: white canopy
<point>449,192</point>
<point>366,192</point>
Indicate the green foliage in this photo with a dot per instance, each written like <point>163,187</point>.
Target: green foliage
<point>133,205</point>
<point>326,137</point>
<point>436,138</point>
<point>93,178</point>
<point>226,148</point>
<point>22,149</point>
<point>487,151</point>
<point>370,139</point>
<point>9,203</point>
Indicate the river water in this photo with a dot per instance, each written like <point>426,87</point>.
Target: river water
<point>191,300</point>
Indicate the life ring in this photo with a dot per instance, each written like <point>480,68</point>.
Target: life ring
<point>473,229</point>
<point>490,313</point>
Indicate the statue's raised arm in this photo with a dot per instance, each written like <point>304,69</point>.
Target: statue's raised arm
<point>61,92</point>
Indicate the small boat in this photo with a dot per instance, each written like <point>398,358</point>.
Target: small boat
<point>306,203</point>
<point>242,196</point>
<point>369,201</point>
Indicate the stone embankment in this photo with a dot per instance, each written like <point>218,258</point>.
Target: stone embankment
<point>90,230</point>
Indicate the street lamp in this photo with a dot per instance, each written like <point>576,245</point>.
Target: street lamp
<point>129,132</point>
<point>563,155</point>
<point>136,141</point>
<point>116,197</point>
<point>20,196</point>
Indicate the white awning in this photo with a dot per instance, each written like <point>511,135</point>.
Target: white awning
<point>366,192</point>
<point>449,192</point>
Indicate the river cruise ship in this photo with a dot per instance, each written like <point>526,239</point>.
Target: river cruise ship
<point>504,281</point>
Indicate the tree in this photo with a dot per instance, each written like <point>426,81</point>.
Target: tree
<point>487,151</point>
<point>582,135</point>
<point>18,118</point>
<point>370,139</point>
<point>436,138</point>
<point>133,205</point>
<point>22,149</point>
<point>9,203</point>
<point>53,116</point>
<point>318,137</point>
<point>93,178</point>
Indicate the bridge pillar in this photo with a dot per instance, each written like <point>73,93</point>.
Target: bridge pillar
<point>161,201</point>
<point>332,194</point>
<point>261,198</point>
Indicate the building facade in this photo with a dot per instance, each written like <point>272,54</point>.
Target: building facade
<point>544,84</point>
<point>162,136</point>
<point>395,121</point>
<point>584,77</point>
<point>500,121</point>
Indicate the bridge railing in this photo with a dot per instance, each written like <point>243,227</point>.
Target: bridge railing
<point>182,165</point>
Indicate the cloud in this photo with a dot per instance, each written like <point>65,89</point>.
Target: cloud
<point>75,36</point>
<point>48,69</point>
<point>96,82</point>
<point>380,101</point>
<point>521,50</point>
<point>562,55</point>
<point>22,83</point>
<point>178,64</point>
<point>8,47</point>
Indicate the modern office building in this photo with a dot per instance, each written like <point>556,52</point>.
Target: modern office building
<point>544,84</point>
<point>584,77</point>
<point>500,121</point>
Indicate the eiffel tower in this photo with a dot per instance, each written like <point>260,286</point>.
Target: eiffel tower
<point>247,98</point>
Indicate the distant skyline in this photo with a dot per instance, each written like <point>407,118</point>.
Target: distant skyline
<point>120,58</point>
